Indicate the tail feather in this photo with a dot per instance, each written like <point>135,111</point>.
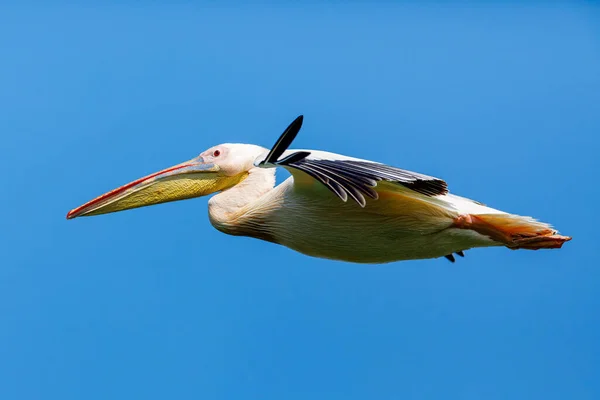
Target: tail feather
<point>514,231</point>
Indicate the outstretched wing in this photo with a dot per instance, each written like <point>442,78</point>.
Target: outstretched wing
<point>346,176</point>
<point>354,178</point>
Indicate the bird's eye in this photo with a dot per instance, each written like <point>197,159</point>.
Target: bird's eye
<point>216,153</point>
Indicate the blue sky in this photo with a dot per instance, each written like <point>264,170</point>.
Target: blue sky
<point>501,101</point>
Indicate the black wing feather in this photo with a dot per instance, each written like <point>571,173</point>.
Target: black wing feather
<point>351,182</point>
<point>284,141</point>
<point>333,185</point>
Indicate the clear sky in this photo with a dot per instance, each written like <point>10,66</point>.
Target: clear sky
<point>501,101</point>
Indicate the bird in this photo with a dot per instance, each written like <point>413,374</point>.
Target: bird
<point>331,206</point>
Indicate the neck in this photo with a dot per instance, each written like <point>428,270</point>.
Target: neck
<point>225,208</point>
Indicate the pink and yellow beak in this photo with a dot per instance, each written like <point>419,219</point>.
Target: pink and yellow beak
<point>190,179</point>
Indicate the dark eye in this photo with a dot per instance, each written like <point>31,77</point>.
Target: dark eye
<point>216,153</point>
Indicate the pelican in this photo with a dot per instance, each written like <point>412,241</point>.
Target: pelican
<point>332,206</point>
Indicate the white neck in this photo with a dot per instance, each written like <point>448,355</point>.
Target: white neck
<point>224,207</point>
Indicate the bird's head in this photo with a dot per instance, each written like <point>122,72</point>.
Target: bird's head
<point>216,169</point>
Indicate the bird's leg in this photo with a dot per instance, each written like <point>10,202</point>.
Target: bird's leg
<point>512,231</point>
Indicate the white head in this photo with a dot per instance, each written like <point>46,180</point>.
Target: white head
<point>233,158</point>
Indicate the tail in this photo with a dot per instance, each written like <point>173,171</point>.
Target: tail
<point>513,231</point>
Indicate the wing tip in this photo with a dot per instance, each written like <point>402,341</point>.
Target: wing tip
<point>284,140</point>
<point>434,187</point>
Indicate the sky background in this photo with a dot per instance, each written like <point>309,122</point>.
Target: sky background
<point>502,101</point>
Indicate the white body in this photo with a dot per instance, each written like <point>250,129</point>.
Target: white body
<point>303,215</point>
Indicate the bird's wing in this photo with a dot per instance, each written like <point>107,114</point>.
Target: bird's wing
<point>346,176</point>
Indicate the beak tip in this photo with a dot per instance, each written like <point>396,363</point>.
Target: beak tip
<point>70,214</point>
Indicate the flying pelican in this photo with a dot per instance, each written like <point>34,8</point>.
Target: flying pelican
<point>332,206</point>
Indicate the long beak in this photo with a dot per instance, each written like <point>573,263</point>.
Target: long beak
<point>193,178</point>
